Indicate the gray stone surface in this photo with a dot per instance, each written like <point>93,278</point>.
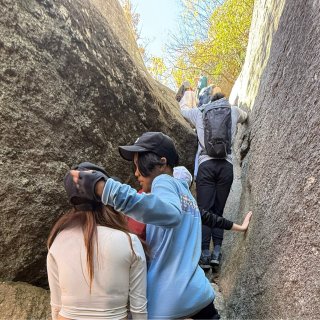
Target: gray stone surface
<point>70,91</point>
<point>21,301</point>
<point>272,272</point>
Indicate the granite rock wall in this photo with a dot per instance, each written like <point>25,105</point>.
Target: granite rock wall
<point>272,272</point>
<point>72,88</point>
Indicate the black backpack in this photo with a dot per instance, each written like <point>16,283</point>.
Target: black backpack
<point>217,129</point>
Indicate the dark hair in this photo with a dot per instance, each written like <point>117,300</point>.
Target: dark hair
<point>217,96</point>
<point>147,162</point>
<point>88,220</point>
<point>180,93</point>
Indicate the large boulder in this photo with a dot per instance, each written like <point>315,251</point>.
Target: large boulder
<point>72,88</point>
<point>21,301</point>
<point>273,271</point>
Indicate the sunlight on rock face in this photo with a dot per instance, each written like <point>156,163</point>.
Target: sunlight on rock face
<point>273,271</point>
<point>264,25</point>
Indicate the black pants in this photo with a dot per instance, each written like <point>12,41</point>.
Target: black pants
<point>214,180</point>
<point>209,312</point>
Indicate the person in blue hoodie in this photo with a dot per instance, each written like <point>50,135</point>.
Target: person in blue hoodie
<point>176,286</point>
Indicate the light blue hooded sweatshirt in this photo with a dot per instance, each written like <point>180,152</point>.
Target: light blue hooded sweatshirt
<point>177,286</point>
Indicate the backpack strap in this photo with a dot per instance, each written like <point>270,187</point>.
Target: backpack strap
<point>211,106</point>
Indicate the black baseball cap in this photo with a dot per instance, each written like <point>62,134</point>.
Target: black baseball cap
<point>155,142</point>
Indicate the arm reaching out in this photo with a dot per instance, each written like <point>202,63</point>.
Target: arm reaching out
<point>245,223</point>
<point>212,220</point>
<point>161,207</point>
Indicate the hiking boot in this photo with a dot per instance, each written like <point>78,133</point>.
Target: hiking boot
<point>204,262</point>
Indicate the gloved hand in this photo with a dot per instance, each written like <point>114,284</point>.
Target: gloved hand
<point>87,182</point>
<point>89,166</point>
<point>80,182</point>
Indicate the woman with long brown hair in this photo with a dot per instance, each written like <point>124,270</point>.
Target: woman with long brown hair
<point>96,268</point>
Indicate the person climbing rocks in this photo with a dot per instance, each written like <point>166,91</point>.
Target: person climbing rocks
<point>206,94</point>
<point>188,99</point>
<point>95,266</point>
<point>177,287</point>
<point>181,91</point>
<point>202,83</point>
<point>215,173</point>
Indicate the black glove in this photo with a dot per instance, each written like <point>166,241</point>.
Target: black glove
<point>87,182</point>
<point>84,190</point>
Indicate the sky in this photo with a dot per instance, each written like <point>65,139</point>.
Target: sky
<point>157,20</point>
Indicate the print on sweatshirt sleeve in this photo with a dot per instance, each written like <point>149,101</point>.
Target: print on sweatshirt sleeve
<point>189,205</point>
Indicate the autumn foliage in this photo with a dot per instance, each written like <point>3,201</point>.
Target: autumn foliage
<point>212,40</point>
<point>219,54</point>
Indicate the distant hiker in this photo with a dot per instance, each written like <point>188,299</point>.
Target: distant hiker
<point>188,99</point>
<point>202,83</point>
<point>95,266</point>
<point>181,90</point>
<point>177,286</point>
<point>207,93</point>
<point>216,125</point>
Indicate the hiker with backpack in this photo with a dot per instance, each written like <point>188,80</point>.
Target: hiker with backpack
<point>216,125</point>
<point>181,90</point>
<point>176,286</point>
<point>204,98</point>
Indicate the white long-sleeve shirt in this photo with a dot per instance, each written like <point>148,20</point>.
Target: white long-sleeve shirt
<point>188,99</point>
<point>119,276</point>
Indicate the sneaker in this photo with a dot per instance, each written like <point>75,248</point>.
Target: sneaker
<point>215,260</point>
<point>204,262</point>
